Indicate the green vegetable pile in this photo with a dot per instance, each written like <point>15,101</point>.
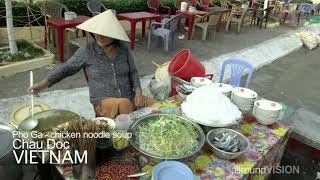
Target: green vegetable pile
<point>167,136</point>
<point>120,143</point>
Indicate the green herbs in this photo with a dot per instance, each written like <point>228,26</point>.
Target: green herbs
<point>26,51</point>
<point>167,136</point>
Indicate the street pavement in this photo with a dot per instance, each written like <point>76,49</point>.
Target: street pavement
<point>224,42</point>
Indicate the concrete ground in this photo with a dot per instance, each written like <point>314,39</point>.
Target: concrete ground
<point>224,42</point>
<point>293,79</point>
<point>298,158</point>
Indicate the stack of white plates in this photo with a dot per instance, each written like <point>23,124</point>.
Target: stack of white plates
<point>267,112</point>
<point>244,98</point>
<point>226,89</point>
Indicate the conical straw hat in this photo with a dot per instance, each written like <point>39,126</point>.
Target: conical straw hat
<point>105,24</point>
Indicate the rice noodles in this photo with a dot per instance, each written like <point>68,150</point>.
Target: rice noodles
<point>208,106</point>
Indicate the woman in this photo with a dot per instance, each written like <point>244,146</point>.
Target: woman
<point>114,84</point>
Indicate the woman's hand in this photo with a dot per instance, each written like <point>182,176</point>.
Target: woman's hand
<point>38,87</point>
<point>139,100</point>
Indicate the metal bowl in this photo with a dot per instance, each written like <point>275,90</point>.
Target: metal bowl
<point>133,141</point>
<point>244,143</point>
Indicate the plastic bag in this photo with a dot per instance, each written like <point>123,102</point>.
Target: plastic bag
<point>162,72</point>
<point>123,121</point>
<point>318,38</point>
<point>309,39</point>
<point>160,90</point>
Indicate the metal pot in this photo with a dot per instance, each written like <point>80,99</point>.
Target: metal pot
<point>49,119</point>
<point>9,169</point>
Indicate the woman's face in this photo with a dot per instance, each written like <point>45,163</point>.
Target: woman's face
<point>103,40</point>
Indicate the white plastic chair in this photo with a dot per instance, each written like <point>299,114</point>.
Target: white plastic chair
<point>167,30</point>
<point>96,7</point>
<point>201,22</point>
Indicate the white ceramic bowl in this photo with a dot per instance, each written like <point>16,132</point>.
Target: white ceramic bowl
<point>267,112</point>
<point>200,81</point>
<point>109,121</point>
<point>226,89</point>
<point>264,120</point>
<point>242,101</point>
<point>267,105</point>
<point>244,104</point>
<point>244,93</point>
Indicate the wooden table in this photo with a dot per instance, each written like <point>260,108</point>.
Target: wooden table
<point>60,25</point>
<point>136,17</point>
<point>191,16</point>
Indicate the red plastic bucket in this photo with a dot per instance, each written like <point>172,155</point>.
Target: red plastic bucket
<point>174,84</point>
<point>185,66</point>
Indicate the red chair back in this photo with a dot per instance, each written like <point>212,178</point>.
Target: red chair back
<point>194,2</point>
<point>207,3</point>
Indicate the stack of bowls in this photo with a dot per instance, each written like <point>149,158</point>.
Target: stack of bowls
<point>226,89</point>
<point>200,81</point>
<point>244,98</point>
<point>267,112</point>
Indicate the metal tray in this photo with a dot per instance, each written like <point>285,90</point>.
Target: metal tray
<point>51,118</point>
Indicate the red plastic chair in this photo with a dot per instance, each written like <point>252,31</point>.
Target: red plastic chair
<point>154,7</point>
<point>195,3</point>
<point>198,4</point>
<point>207,4</point>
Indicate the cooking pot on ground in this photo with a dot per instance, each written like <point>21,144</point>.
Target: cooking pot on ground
<point>9,169</point>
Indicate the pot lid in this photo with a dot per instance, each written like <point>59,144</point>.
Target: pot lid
<point>23,112</point>
<point>6,138</point>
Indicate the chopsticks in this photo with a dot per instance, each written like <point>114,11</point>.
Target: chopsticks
<point>32,101</point>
